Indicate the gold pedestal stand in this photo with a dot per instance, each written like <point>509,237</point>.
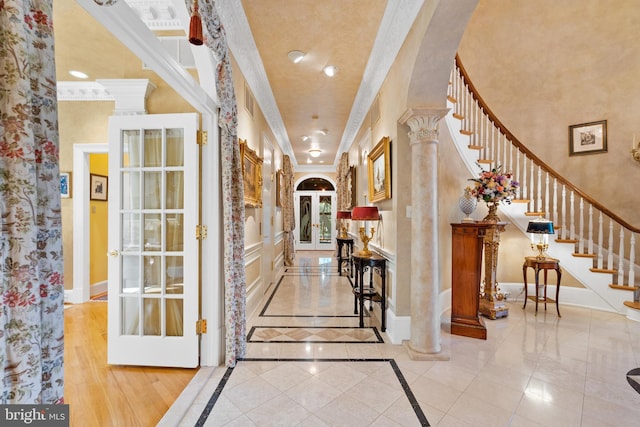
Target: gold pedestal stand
<point>492,304</point>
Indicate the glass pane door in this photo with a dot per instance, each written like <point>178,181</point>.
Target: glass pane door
<point>153,281</point>
<point>315,220</point>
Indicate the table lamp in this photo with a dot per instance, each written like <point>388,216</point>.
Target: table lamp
<point>365,213</point>
<point>539,229</point>
<point>343,216</point>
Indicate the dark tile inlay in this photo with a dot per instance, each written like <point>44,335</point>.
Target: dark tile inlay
<point>396,369</point>
<point>633,378</point>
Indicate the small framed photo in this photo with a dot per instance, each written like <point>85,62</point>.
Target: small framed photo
<point>99,187</point>
<point>588,138</point>
<point>65,185</point>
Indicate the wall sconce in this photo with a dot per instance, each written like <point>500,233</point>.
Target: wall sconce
<point>365,213</point>
<point>343,216</point>
<point>539,229</point>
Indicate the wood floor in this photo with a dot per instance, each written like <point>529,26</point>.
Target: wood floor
<point>102,395</point>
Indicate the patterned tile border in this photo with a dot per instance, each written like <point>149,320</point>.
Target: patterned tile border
<point>396,369</point>
<point>275,289</point>
<point>373,329</point>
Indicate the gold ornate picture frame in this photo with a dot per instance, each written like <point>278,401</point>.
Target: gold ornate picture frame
<point>279,186</point>
<point>352,187</point>
<point>379,162</point>
<point>251,176</point>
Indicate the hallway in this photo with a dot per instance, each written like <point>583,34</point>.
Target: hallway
<point>308,364</point>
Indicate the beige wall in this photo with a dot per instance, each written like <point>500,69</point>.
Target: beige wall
<point>545,65</point>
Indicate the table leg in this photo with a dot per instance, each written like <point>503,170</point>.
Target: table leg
<point>545,289</point>
<point>537,289</point>
<point>559,276</point>
<point>524,275</point>
<point>361,297</point>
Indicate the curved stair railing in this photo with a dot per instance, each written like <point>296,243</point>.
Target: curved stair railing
<point>610,242</point>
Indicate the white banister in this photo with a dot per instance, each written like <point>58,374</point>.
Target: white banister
<point>590,231</point>
<point>564,212</point>
<point>581,228</point>
<point>632,257</point>
<point>610,247</point>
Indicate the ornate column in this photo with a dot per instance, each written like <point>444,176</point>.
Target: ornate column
<point>425,267</point>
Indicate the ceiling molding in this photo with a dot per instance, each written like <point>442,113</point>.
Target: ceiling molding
<point>245,52</point>
<point>156,14</point>
<point>398,19</point>
<point>82,91</point>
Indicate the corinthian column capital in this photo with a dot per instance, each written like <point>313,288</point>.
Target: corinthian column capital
<point>423,123</point>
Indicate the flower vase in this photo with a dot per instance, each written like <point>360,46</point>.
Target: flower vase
<point>467,205</point>
<point>492,216</point>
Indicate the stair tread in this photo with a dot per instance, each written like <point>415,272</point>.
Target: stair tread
<point>541,214</point>
<point>475,147</point>
<point>603,270</point>
<point>633,304</point>
<point>584,255</point>
<point>566,241</point>
<point>466,132</point>
<point>623,287</point>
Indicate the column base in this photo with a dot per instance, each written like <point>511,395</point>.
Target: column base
<point>418,355</point>
<point>493,309</point>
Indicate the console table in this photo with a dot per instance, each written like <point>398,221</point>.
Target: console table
<point>345,249</point>
<point>544,264</point>
<point>379,265</point>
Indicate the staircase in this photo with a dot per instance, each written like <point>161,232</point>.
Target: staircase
<point>593,244</point>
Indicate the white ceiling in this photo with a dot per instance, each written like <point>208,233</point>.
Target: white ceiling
<point>360,37</point>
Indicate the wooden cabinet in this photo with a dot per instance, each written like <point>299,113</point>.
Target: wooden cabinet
<point>466,275</point>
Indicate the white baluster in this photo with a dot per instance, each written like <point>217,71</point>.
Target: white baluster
<point>532,199</point>
<point>554,218</point>
<point>581,228</point>
<point>600,241</point>
<point>621,258</point>
<point>539,191</point>
<point>564,212</point>
<point>610,247</point>
<point>632,261</point>
<point>510,145</point>
<point>590,231</point>
<point>572,216</point>
<point>546,196</point>
<point>518,176</point>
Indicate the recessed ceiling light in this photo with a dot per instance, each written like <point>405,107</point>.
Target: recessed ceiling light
<point>323,131</point>
<point>330,70</point>
<point>78,74</point>
<point>315,152</point>
<point>296,56</point>
<point>305,138</point>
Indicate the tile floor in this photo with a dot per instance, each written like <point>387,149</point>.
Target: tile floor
<point>531,371</point>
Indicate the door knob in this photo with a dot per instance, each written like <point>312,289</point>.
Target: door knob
<point>113,252</point>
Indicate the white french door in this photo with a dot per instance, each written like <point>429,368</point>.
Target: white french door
<point>315,220</point>
<point>153,252</point>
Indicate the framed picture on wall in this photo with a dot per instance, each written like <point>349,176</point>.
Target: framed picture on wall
<point>588,138</point>
<point>99,187</point>
<point>65,185</point>
<point>279,178</point>
<point>251,175</point>
<point>352,187</point>
<point>379,162</point>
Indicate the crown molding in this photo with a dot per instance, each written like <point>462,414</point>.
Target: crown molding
<point>82,91</point>
<point>156,14</point>
<point>397,21</point>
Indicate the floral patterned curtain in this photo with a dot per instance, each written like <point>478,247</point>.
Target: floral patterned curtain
<point>288,212</point>
<point>232,187</point>
<point>31,263</point>
<point>344,199</point>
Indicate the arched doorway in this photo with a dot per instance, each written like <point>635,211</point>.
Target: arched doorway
<point>315,211</point>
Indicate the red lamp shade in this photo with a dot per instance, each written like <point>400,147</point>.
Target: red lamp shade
<point>343,215</point>
<point>365,213</point>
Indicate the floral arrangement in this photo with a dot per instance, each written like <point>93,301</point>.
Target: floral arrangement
<point>494,186</point>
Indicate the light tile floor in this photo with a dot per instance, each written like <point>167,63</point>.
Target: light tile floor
<point>533,370</point>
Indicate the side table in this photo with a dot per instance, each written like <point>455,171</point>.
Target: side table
<point>541,294</point>
<point>379,265</point>
<point>345,249</point>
